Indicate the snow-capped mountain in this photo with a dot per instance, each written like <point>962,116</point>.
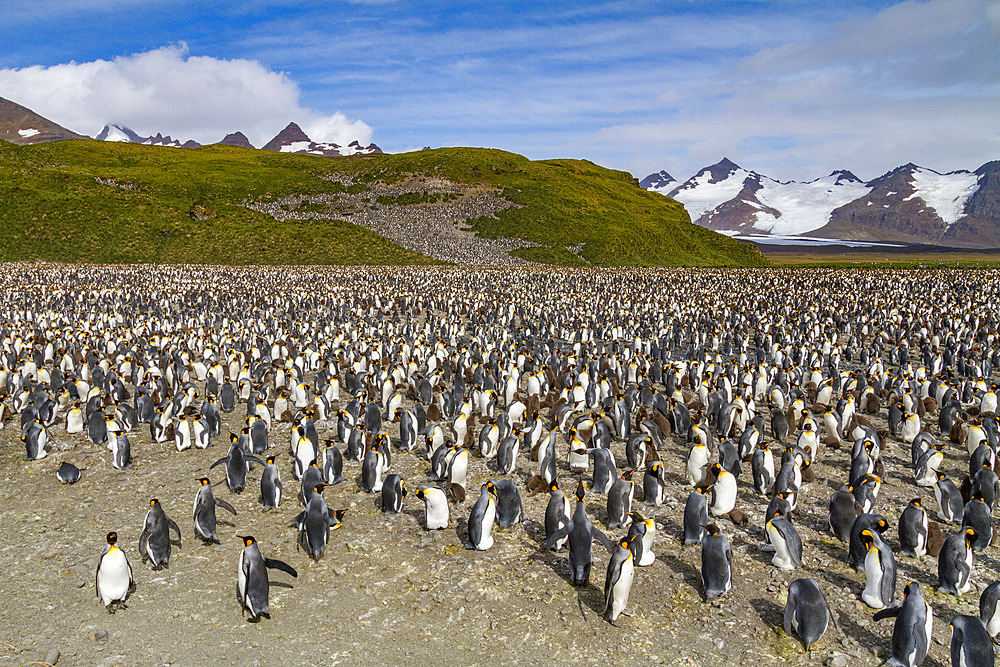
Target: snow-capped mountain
<point>293,140</point>
<point>660,182</point>
<point>910,204</point>
<point>21,125</point>
<point>915,204</point>
<point>121,133</point>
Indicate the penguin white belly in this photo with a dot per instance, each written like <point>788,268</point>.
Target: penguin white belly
<point>74,421</point>
<point>781,559</point>
<point>725,496</point>
<point>647,548</point>
<point>241,578</point>
<point>697,466</point>
<point>921,548</point>
<point>964,586</point>
<point>380,468</point>
<point>993,624</point>
<point>112,577</point>
<point>872,595</point>
<point>437,512</point>
<point>564,519</point>
<point>578,462</point>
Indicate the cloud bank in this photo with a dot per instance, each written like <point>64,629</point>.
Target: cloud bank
<point>170,91</point>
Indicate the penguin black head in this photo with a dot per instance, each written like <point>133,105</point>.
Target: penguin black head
<point>716,469</point>
<point>270,459</point>
<point>420,493</point>
<point>205,481</point>
<point>112,537</point>
<point>970,536</point>
<point>627,475</point>
<point>339,515</point>
<point>319,488</point>
<point>491,487</point>
<point>247,539</point>
<point>867,538</point>
<point>233,437</point>
<point>711,529</point>
<point>581,491</point>
<point>916,502</point>
<point>153,502</point>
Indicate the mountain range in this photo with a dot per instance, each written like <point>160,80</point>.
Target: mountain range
<point>909,204</point>
<point>20,125</point>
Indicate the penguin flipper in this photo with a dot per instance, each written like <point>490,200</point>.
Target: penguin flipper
<point>173,526</point>
<point>602,538</point>
<point>888,612</point>
<point>556,536</point>
<point>275,564</point>
<point>143,540</point>
<point>254,459</point>
<point>219,462</point>
<point>219,502</point>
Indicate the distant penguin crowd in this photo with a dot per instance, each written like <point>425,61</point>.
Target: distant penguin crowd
<point>704,387</point>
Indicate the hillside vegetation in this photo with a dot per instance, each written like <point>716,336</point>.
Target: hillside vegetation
<point>109,202</point>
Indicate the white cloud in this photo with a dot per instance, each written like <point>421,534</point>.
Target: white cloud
<point>167,90</point>
<point>917,82</point>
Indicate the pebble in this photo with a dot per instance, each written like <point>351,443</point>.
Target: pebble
<point>437,230</point>
<point>838,660</point>
<point>52,657</point>
<point>99,635</point>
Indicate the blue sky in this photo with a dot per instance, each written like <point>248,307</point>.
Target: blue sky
<point>792,89</point>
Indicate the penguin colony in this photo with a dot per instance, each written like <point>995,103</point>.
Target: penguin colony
<point>626,392</point>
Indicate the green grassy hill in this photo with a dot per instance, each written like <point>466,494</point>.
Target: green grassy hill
<point>110,202</point>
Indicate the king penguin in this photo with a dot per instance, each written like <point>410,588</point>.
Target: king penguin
<point>114,575</point>
<point>914,529</point>
<point>154,541</point>
<point>436,513</point>
<point>716,563</point>
<point>807,613</point>
<point>618,582</point>
<point>393,493</point>
<point>482,517</point>
<point>270,485</point>
<point>582,534</point>
<point>205,503</point>
<point>911,634</point>
<point>644,530</point>
<point>955,563</point>
<point>971,645</point>
<point>252,583</point>
<point>880,571</point>
<point>557,513</point>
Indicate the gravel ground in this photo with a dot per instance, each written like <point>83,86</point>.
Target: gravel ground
<point>433,229</point>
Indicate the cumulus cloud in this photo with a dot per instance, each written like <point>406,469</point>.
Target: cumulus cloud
<point>170,91</point>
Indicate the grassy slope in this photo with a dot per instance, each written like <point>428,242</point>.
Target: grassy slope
<point>52,208</point>
<point>565,203</point>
